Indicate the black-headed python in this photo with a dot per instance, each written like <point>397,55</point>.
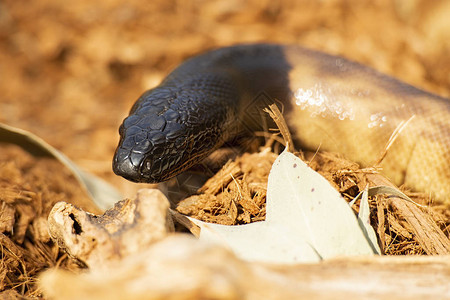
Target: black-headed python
<point>328,101</point>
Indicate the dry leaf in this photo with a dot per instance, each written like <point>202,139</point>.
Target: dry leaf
<point>307,220</point>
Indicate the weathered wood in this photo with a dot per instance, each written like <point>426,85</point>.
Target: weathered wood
<point>180,267</point>
<point>128,227</point>
<point>427,233</point>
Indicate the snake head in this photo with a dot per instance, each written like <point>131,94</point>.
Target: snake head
<point>165,134</point>
<point>152,138</point>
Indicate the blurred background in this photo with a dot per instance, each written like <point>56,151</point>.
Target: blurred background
<point>70,72</point>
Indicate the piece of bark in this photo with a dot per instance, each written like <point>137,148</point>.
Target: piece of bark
<point>180,267</point>
<point>381,224</point>
<point>128,227</point>
<point>426,232</point>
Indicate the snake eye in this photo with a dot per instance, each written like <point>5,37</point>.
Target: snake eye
<point>146,166</point>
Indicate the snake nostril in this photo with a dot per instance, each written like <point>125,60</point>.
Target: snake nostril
<point>136,158</point>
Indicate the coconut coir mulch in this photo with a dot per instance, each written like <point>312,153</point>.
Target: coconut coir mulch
<point>30,186</point>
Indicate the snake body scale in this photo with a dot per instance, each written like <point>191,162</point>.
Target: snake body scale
<point>327,100</point>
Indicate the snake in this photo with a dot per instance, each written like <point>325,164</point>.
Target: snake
<point>329,103</point>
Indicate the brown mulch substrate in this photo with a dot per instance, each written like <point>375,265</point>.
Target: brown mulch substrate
<point>29,187</point>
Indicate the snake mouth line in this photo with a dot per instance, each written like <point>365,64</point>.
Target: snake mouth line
<point>144,177</point>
